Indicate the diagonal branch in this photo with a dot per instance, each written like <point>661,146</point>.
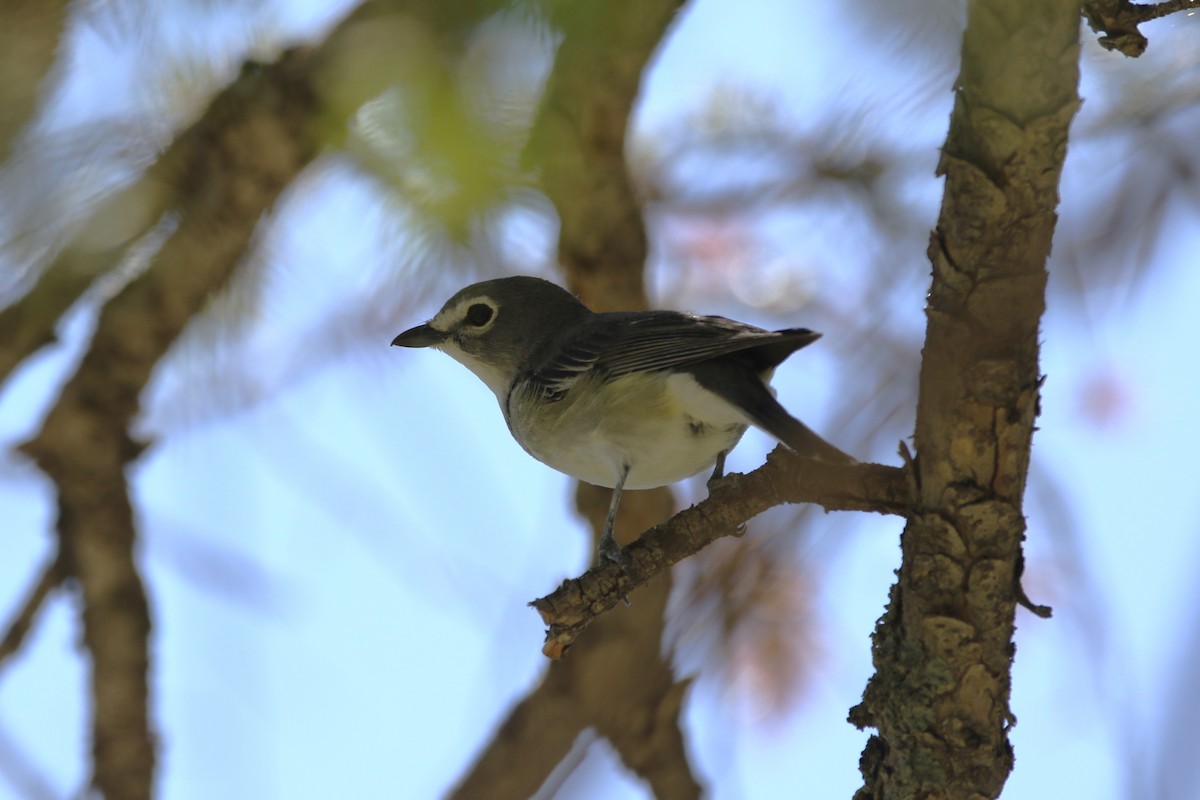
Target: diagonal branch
<point>29,323</point>
<point>367,35</point>
<point>534,738</point>
<point>615,682</point>
<point>1118,20</point>
<point>785,478</point>
<point>53,574</point>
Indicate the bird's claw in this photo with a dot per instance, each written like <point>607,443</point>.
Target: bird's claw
<point>611,551</point>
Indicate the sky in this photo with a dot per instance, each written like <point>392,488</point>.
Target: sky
<point>306,553</point>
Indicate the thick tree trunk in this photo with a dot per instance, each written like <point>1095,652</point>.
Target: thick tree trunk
<point>943,651</point>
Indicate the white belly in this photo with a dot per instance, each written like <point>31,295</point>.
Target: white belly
<point>665,428</point>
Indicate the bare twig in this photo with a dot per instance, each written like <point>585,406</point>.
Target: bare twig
<point>615,682</point>
<point>785,478</point>
<point>52,575</point>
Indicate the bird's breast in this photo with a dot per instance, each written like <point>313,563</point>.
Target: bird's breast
<point>664,427</point>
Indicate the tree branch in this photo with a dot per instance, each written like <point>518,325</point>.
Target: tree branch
<point>52,575</point>
<point>366,37</point>
<point>615,682</point>
<point>535,737</point>
<point>28,325</point>
<point>222,175</point>
<point>246,149</point>
<point>733,501</point>
<point>578,142</point>
<point>1118,20</point>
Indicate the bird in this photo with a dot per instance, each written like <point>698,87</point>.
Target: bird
<point>619,399</point>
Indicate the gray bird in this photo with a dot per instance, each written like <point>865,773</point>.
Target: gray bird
<point>634,399</point>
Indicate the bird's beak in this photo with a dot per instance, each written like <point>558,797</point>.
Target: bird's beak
<point>420,336</point>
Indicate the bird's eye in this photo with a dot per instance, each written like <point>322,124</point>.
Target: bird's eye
<point>479,314</point>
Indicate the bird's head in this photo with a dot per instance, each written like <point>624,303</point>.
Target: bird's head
<point>495,327</point>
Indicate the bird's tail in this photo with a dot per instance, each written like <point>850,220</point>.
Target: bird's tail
<point>754,398</point>
<point>773,418</point>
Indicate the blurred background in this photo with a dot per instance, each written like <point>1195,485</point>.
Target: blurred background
<point>339,539</point>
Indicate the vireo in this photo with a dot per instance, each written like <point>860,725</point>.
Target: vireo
<point>633,399</point>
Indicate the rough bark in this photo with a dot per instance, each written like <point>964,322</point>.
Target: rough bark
<point>943,650</point>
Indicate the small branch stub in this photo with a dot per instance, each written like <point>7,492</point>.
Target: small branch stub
<point>1118,21</point>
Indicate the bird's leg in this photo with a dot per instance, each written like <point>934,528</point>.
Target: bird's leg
<point>718,473</point>
<point>719,468</point>
<point>608,545</point>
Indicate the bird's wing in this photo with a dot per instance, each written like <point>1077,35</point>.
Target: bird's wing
<point>619,343</point>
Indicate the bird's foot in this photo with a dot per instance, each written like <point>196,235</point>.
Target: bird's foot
<point>718,470</point>
<point>715,481</point>
<point>611,551</point>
